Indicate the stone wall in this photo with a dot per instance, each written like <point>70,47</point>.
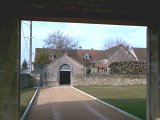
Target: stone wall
<point>33,80</point>
<point>112,80</point>
<point>25,80</point>
<point>50,83</point>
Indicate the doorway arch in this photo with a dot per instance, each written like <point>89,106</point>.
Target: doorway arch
<point>64,74</point>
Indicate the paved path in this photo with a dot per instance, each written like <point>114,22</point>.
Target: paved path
<point>66,103</point>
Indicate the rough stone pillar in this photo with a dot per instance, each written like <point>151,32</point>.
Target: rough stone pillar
<point>153,90</point>
<point>9,72</point>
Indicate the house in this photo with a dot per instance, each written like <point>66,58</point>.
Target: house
<point>81,55</point>
<point>61,70</point>
<point>140,54</point>
<point>86,57</point>
<point>118,53</point>
<point>90,55</point>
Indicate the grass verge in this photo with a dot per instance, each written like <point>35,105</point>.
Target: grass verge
<point>131,99</point>
<point>25,97</point>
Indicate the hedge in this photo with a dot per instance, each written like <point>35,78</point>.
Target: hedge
<point>128,68</point>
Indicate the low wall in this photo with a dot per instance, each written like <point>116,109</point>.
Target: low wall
<point>113,80</point>
<point>25,80</point>
<point>50,83</point>
<point>36,79</point>
<point>28,80</point>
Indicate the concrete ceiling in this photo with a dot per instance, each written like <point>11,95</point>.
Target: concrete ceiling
<point>140,11</point>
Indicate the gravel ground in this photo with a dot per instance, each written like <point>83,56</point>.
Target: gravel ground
<point>66,103</point>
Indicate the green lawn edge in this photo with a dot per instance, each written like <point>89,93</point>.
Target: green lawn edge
<point>131,99</point>
<point>26,95</point>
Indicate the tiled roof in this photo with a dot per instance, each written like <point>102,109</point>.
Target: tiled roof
<point>141,53</point>
<point>78,54</point>
<point>38,51</point>
<point>67,57</point>
<point>92,53</point>
<point>99,54</point>
<point>109,52</point>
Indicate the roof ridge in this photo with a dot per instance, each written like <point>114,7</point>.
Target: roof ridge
<point>74,49</point>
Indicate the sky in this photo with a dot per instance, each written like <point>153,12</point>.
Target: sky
<point>88,35</point>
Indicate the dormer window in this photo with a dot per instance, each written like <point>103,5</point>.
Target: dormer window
<point>51,56</point>
<point>87,56</point>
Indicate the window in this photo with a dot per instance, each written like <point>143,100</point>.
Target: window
<point>87,56</point>
<point>51,56</point>
<point>65,67</point>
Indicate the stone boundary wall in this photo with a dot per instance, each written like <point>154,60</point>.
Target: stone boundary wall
<point>25,80</point>
<point>50,83</point>
<point>28,80</point>
<point>110,80</point>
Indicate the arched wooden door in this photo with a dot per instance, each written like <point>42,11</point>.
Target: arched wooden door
<point>64,74</point>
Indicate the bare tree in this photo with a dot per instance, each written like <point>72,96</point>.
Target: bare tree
<point>117,41</point>
<point>60,43</point>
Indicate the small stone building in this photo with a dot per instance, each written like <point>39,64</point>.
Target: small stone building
<point>61,71</point>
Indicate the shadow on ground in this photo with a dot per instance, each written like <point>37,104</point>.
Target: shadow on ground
<point>73,110</point>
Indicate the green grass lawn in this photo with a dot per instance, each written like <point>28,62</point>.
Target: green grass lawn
<point>131,99</point>
<point>25,97</point>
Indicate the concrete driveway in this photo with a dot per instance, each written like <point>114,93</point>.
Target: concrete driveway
<point>66,103</point>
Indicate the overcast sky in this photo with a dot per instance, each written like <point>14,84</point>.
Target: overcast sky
<point>88,35</point>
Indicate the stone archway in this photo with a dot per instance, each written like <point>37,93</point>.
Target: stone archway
<point>64,74</point>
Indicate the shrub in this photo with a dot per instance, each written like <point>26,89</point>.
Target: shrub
<point>130,68</point>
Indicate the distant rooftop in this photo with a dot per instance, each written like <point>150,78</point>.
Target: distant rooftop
<point>141,53</point>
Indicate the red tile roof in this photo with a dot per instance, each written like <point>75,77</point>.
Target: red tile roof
<point>92,53</point>
<point>141,53</point>
<point>78,54</point>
